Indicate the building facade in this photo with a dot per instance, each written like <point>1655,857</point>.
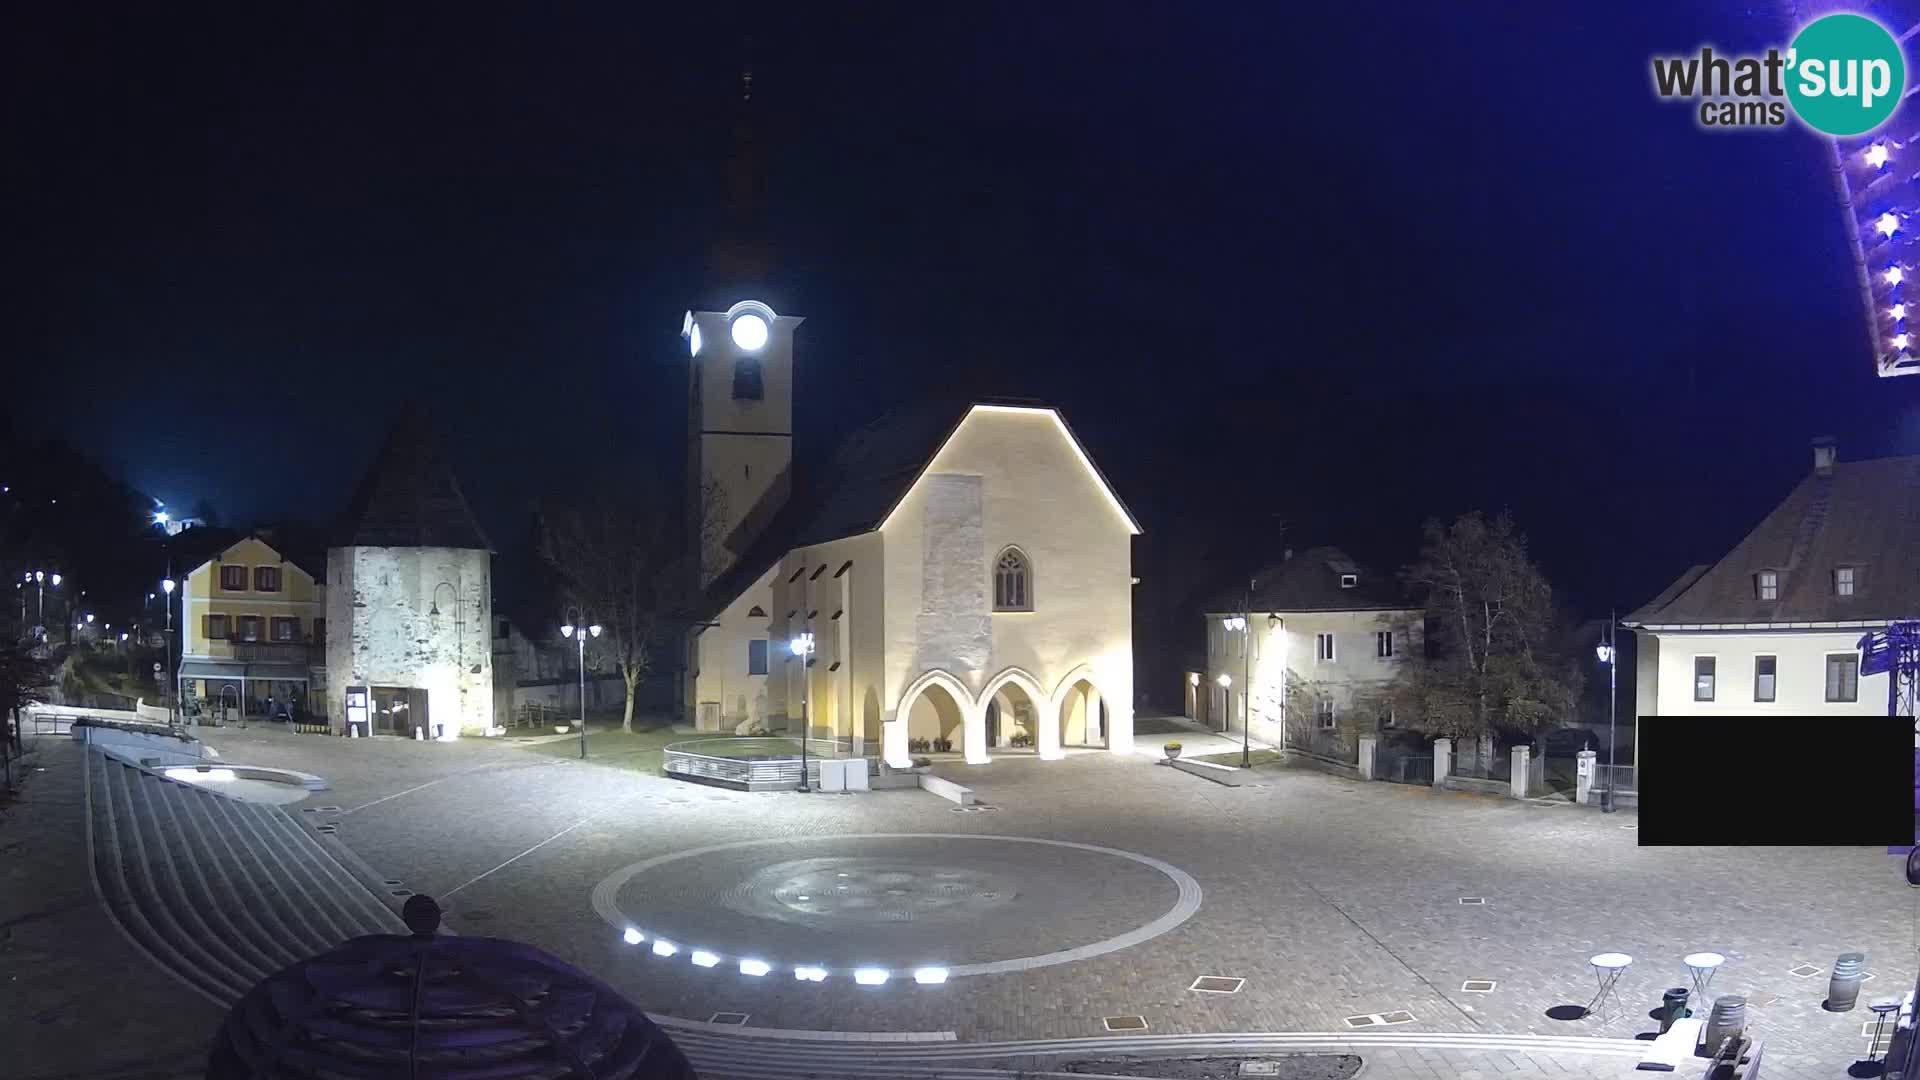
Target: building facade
<point>1306,652</point>
<point>963,574</point>
<point>253,628</point>
<point>1774,626</point>
<point>409,599</point>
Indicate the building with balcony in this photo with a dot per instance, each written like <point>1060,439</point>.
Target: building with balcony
<point>253,629</point>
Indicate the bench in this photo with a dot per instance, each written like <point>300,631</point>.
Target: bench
<point>947,789</point>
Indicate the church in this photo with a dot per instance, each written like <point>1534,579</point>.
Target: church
<point>953,577</point>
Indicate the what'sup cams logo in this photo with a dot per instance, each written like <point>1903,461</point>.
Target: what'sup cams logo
<point>1842,75</point>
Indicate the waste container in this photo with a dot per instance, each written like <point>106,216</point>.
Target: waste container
<point>1843,987</point>
<point>1673,1006</point>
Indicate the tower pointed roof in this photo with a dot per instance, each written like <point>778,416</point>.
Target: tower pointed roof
<point>742,256</point>
<point>409,497</point>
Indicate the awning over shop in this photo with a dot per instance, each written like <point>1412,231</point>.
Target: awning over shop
<point>241,671</point>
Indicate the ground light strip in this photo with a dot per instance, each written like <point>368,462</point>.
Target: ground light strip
<point>606,902</point>
<point>704,1038</point>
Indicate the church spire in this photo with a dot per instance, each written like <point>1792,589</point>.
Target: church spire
<point>742,256</point>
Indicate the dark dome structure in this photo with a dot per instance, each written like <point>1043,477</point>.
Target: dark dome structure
<point>432,1007</point>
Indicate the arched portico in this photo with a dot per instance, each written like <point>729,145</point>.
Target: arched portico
<point>945,689</point>
<point>1076,704</point>
<point>1018,681</point>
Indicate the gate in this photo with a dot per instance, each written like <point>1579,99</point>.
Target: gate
<point>1404,765</point>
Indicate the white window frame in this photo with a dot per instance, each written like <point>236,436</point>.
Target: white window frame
<point>1713,692</point>
<point>1768,585</point>
<point>1826,663</point>
<point>1326,714</point>
<point>1773,691</point>
<point>1323,648</point>
<point>1349,581</point>
<point>1020,578</point>
<point>1383,644</point>
<point>1845,580</point>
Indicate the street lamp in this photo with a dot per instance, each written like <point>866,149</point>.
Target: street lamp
<point>167,586</point>
<point>802,647</point>
<point>580,634</point>
<point>1609,656</point>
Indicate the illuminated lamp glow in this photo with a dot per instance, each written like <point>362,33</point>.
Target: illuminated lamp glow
<point>870,976</point>
<point>218,776</point>
<point>1893,275</point>
<point>1193,678</point>
<point>693,340</point>
<point>749,331</point>
<point>1224,679</point>
<point>810,974</point>
<point>663,947</point>
<point>755,968</point>
<point>930,976</point>
<point>1877,155</point>
<point>703,958</point>
<point>1887,224</point>
<point>1898,311</point>
<point>632,936</point>
<point>1900,341</point>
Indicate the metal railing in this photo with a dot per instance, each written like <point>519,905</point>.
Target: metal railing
<point>1623,777</point>
<point>776,765</point>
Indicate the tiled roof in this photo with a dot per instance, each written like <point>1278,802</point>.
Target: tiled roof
<point>1310,581</point>
<point>409,497</point>
<point>1859,514</point>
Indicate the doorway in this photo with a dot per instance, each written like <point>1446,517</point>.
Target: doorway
<point>398,710</point>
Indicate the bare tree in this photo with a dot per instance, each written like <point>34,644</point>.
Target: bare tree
<point>621,562</point>
<point>1493,660</point>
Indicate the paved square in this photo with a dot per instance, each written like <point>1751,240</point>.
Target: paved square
<point>1332,898</point>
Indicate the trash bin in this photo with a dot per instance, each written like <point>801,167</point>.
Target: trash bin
<point>1673,1006</point>
<point>1843,987</point>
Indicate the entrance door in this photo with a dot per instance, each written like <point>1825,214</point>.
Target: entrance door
<point>397,710</point>
<point>993,723</point>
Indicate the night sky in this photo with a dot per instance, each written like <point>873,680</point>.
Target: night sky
<point>1337,269</point>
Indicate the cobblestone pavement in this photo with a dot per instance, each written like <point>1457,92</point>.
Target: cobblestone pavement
<point>1332,898</point>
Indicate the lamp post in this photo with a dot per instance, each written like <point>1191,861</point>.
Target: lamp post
<point>802,647</point>
<point>167,586</point>
<point>1608,656</point>
<point>580,634</point>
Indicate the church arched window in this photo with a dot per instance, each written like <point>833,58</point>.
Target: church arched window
<point>1012,581</point>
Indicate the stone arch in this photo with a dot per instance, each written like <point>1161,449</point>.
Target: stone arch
<point>1076,713</point>
<point>972,735</point>
<point>1046,730</point>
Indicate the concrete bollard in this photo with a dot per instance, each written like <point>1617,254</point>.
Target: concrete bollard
<point>1727,1020</point>
<point>1843,987</point>
<point>1584,777</point>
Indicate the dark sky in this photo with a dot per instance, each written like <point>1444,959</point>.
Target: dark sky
<point>1347,267</point>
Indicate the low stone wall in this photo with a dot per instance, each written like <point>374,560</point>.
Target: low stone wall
<point>140,743</point>
<point>1325,764</point>
<point>947,789</point>
<point>1502,788</point>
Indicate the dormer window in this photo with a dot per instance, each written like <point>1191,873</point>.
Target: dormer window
<point>1767,584</point>
<point>1348,581</point>
<point>1844,580</point>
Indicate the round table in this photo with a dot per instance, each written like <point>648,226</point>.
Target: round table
<point>1702,965</point>
<point>1876,1054</point>
<point>1607,967</point>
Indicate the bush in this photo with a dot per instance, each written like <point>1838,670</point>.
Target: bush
<point>918,746</point>
<point>922,762</point>
<point>1173,746</point>
<point>1021,739</point>
<point>943,746</point>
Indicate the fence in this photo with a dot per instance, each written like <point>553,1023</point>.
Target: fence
<point>1404,765</point>
<point>1481,761</point>
<point>1622,776</point>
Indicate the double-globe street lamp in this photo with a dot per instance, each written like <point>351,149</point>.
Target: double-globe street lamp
<point>167,586</point>
<point>1609,656</point>
<point>40,579</point>
<point>580,634</point>
<point>802,647</point>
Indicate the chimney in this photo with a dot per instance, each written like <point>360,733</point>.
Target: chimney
<point>1825,451</point>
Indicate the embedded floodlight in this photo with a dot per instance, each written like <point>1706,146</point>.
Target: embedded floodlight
<point>693,339</point>
<point>663,947</point>
<point>1887,224</point>
<point>566,630</point>
<point>870,976</point>
<point>749,331</point>
<point>810,974</point>
<point>1877,155</point>
<point>1893,275</point>
<point>632,936</point>
<point>703,958</point>
<point>930,976</point>
<point>166,585</point>
<point>1224,680</point>
<point>755,968</point>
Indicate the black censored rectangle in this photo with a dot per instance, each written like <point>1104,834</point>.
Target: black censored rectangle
<point>1830,781</point>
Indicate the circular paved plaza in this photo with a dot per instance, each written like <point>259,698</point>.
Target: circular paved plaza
<point>964,903</point>
<point>1333,899</point>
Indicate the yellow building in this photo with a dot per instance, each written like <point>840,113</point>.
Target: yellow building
<point>254,628</point>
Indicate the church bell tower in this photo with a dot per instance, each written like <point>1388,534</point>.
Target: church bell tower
<point>741,426</point>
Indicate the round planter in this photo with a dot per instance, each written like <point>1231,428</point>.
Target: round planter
<point>1173,753</point>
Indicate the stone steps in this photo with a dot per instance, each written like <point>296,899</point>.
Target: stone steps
<point>221,893</point>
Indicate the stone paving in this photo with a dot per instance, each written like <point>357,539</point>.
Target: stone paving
<point>1332,898</point>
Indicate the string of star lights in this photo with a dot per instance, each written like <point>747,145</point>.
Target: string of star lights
<point>1878,177</point>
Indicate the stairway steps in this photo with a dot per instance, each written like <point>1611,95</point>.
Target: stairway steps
<point>305,853</point>
<point>274,910</point>
<point>116,872</point>
<point>165,854</point>
<point>255,903</point>
<point>185,806</point>
<point>369,914</point>
<point>291,894</point>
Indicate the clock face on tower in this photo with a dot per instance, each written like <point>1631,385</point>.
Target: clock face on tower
<point>749,332</point>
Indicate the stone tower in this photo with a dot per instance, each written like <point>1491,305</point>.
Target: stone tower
<point>410,596</point>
